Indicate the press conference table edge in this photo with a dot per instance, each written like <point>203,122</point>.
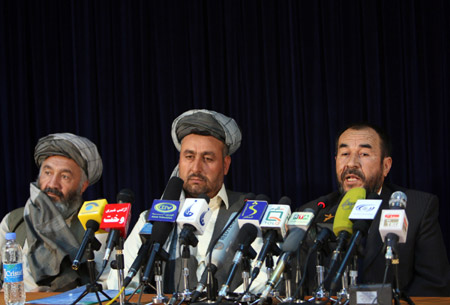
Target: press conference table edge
<point>146,298</point>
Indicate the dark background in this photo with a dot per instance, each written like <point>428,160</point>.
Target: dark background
<point>291,73</point>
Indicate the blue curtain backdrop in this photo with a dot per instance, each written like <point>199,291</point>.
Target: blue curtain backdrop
<point>290,72</point>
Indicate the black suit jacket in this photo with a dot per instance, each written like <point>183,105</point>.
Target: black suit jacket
<point>424,269</point>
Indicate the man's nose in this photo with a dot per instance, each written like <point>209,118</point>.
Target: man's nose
<point>354,161</point>
<point>197,165</point>
<point>54,182</point>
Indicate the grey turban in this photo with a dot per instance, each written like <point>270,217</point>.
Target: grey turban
<point>207,123</point>
<point>80,149</point>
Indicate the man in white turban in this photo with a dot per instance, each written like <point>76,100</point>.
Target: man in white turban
<point>48,227</point>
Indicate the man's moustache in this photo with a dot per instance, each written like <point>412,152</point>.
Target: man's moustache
<point>353,172</point>
<point>197,176</point>
<point>53,191</point>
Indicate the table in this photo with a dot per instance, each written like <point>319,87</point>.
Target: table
<point>146,298</point>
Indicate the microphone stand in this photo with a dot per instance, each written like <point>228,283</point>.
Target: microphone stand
<point>274,293</point>
<point>344,294</point>
<point>397,294</point>
<point>157,255</point>
<point>288,284</point>
<point>93,286</point>
<point>299,275</point>
<point>321,294</point>
<point>120,265</point>
<point>212,285</point>
<point>185,255</point>
<point>247,297</point>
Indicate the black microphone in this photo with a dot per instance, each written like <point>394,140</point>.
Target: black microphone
<point>247,234</point>
<point>92,226</point>
<point>162,229</point>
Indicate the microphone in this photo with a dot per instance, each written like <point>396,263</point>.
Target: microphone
<point>217,255</point>
<point>342,225</point>
<point>164,213</point>
<point>166,208</point>
<point>221,247</point>
<point>364,211</point>
<point>143,251</point>
<point>254,211</point>
<point>289,246</point>
<point>247,235</point>
<point>394,224</point>
<point>90,216</point>
<point>273,227</point>
<point>116,219</point>
<point>192,219</point>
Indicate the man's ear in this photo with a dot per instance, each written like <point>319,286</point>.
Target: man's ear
<point>84,186</point>
<point>226,164</point>
<point>387,164</point>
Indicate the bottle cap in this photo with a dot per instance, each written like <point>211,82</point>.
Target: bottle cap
<point>10,235</point>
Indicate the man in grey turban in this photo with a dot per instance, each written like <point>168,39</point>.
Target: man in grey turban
<point>48,227</point>
<point>205,140</point>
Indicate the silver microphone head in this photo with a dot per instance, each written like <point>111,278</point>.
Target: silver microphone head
<point>398,200</point>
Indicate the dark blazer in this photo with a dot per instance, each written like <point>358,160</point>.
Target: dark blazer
<point>424,268</point>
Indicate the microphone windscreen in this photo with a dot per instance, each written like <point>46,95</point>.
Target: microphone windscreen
<point>362,225</point>
<point>247,234</point>
<point>373,195</point>
<point>341,220</point>
<point>204,196</point>
<point>93,225</point>
<point>161,231</point>
<point>249,196</point>
<point>125,196</point>
<point>398,200</point>
<point>262,197</point>
<point>173,189</point>
<point>285,200</point>
<point>293,240</point>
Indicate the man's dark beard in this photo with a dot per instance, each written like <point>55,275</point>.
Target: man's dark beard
<point>194,193</point>
<point>67,204</point>
<point>372,185</point>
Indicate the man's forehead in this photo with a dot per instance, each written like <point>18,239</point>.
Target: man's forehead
<point>61,163</point>
<point>360,138</point>
<point>200,141</point>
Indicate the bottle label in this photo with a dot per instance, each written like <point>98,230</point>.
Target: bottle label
<point>13,273</point>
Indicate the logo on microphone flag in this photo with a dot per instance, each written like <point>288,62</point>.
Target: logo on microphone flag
<point>164,210</point>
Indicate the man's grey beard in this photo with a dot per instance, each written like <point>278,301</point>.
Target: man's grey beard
<point>66,206</point>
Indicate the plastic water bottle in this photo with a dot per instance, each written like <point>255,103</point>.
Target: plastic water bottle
<point>13,286</point>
